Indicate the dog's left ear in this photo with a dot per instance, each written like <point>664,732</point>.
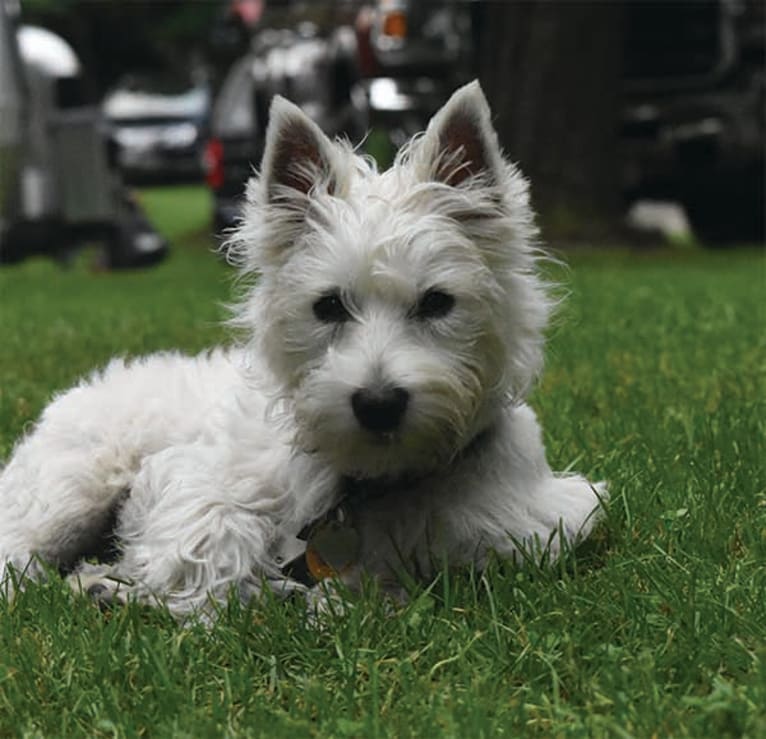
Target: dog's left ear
<point>460,142</point>
<point>297,156</point>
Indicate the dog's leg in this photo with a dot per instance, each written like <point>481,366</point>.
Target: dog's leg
<point>541,511</point>
<point>60,489</point>
<point>66,479</point>
<point>57,496</point>
<point>521,504</point>
<point>194,527</point>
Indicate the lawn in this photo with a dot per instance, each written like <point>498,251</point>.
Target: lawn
<point>657,627</point>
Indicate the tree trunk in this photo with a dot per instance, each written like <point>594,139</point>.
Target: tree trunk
<point>552,73</point>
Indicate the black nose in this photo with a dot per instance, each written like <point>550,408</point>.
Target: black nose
<point>380,410</point>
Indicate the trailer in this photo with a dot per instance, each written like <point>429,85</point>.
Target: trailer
<point>59,186</point>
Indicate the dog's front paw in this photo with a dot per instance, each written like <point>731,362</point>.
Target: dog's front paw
<point>101,585</point>
<point>284,588</point>
<point>326,601</point>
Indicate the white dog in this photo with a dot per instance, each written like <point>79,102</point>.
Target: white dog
<point>374,419</point>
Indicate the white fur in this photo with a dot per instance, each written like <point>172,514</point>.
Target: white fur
<point>215,460</point>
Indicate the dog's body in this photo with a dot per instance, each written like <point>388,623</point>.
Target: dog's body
<point>393,332</point>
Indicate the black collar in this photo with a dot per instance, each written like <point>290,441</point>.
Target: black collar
<point>367,488</point>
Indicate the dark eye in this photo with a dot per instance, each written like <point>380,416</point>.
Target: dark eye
<point>330,309</point>
<point>434,304</point>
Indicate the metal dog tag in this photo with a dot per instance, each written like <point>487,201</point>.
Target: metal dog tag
<point>332,547</point>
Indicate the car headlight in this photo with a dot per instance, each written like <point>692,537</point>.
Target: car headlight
<point>179,135</point>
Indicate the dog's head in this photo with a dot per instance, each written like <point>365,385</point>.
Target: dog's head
<point>398,311</point>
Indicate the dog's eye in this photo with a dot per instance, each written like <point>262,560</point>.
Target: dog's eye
<point>330,309</point>
<point>434,304</point>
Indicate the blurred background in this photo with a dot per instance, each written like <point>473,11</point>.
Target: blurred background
<point>638,122</point>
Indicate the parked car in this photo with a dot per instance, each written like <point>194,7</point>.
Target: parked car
<point>695,113</point>
<point>159,129</point>
<point>312,71</point>
<point>411,57</point>
<point>59,188</point>
<point>384,77</point>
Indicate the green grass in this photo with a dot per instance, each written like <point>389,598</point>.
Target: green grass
<point>655,381</point>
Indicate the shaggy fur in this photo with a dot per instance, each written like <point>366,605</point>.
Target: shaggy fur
<point>392,333</point>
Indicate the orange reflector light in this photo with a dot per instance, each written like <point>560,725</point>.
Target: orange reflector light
<point>395,24</point>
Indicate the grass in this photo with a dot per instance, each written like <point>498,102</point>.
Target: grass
<point>655,381</point>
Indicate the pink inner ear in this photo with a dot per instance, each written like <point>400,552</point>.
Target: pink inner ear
<point>297,161</point>
<point>464,153</point>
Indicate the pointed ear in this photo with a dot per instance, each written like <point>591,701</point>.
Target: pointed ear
<point>460,142</point>
<point>297,155</point>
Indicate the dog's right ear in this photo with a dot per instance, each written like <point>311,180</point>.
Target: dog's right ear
<point>460,146</point>
<point>297,157</point>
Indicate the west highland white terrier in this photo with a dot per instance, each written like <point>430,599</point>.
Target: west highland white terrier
<point>373,420</point>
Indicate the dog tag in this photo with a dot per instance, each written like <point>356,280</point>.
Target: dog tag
<point>332,548</point>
